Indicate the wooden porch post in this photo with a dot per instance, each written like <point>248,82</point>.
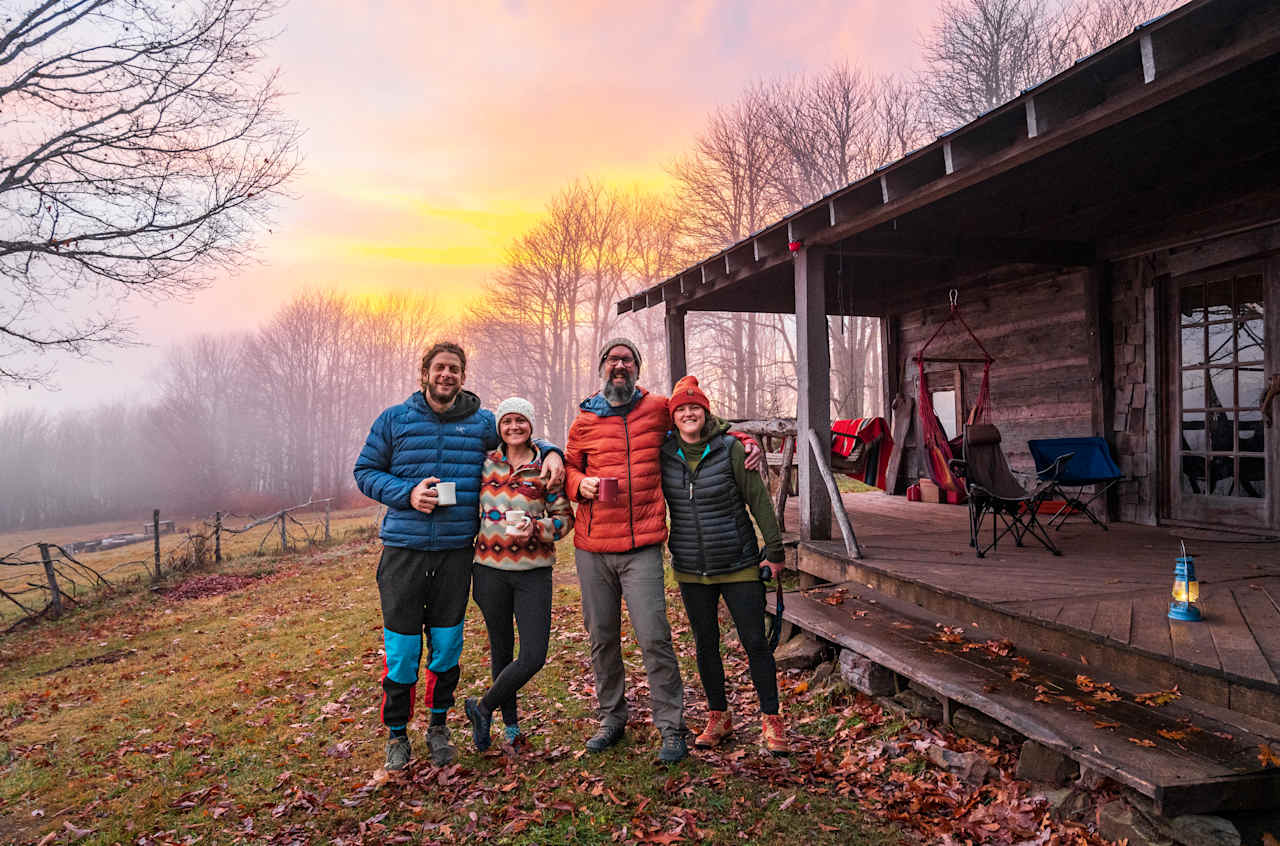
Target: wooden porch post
<point>813,387</point>
<point>677,363</point>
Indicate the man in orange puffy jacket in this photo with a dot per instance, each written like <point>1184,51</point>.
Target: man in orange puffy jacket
<point>620,527</point>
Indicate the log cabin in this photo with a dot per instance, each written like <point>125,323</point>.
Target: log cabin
<point>1112,236</point>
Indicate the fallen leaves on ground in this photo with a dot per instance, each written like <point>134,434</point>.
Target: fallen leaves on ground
<point>1159,697</point>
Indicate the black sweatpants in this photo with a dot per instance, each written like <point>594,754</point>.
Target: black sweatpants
<point>745,601</point>
<point>421,592</point>
<point>526,596</point>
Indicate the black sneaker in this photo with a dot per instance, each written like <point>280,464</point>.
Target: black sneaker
<point>673,749</point>
<point>398,754</point>
<point>605,736</point>
<point>481,723</point>
<point>443,752</point>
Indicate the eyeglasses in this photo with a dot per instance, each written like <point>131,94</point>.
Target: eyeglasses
<point>617,361</point>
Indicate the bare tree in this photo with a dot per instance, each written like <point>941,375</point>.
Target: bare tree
<point>139,146</point>
<point>1102,22</point>
<point>982,53</point>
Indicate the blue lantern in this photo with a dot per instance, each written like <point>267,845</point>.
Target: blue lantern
<point>1186,590</point>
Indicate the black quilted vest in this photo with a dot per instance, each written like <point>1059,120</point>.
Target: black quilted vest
<point>710,530</point>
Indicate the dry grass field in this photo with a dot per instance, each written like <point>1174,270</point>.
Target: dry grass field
<point>135,561</point>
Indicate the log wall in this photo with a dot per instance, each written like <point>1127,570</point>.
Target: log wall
<point>1037,330</point>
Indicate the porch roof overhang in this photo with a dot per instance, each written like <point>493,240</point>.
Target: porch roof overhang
<point>1179,114</point>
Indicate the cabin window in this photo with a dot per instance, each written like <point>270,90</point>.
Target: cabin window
<point>944,405</point>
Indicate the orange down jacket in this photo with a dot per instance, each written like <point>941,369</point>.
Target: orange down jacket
<point>622,442</point>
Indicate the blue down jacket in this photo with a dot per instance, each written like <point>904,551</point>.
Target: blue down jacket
<point>409,442</point>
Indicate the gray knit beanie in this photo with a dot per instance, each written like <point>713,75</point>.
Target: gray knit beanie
<point>515,405</point>
<point>620,342</point>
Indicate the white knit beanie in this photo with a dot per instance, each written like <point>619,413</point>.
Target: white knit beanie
<point>516,405</point>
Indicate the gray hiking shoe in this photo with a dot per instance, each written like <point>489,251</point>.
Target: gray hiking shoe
<point>605,736</point>
<point>673,749</point>
<point>443,752</point>
<point>398,754</point>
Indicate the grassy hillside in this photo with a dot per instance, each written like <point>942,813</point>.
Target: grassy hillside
<point>242,707</point>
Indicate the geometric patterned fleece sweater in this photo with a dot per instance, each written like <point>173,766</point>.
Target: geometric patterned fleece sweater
<point>503,488</point>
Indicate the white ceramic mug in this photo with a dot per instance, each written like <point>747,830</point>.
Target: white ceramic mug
<point>515,519</point>
<point>447,493</point>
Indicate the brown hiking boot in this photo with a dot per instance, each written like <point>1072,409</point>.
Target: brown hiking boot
<point>719,726</point>
<point>773,735</point>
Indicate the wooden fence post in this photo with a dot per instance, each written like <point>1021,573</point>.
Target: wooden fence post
<point>284,537</point>
<point>155,531</point>
<point>217,537</point>
<point>327,503</point>
<point>56,601</point>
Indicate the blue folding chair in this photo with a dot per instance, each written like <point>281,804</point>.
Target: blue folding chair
<point>1091,464</point>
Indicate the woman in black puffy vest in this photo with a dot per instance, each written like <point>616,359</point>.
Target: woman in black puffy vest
<point>714,554</point>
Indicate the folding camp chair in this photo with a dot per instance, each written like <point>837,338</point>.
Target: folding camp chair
<point>1091,464</point>
<point>992,489</point>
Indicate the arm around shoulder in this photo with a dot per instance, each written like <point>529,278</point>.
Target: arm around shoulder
<point>756,495</point>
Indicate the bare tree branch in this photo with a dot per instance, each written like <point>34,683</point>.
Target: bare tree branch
<point>140,146</point>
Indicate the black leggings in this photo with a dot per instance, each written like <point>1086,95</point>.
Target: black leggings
<point>746,603</point>
<point>526,595</point>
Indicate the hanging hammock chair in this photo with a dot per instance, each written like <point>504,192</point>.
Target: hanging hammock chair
<point>937,449</point>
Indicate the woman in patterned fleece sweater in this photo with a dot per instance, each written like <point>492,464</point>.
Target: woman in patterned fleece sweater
<point>512,572</point>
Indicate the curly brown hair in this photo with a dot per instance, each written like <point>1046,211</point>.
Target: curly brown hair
<point>444,346</point>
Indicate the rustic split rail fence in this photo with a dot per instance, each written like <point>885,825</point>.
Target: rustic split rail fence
<point>46,577</point>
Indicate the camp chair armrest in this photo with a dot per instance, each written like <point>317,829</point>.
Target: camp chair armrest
<point>1054,470</point>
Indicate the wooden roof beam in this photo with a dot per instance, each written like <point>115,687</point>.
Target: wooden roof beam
<point>853,203</point>
<point>740,258</point>
<point>807,224</point>
<point>999,249</point>
<point>770,242</point>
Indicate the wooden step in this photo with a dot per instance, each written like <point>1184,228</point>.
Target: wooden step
<point>1187,756</point>
<point>1026,624</point>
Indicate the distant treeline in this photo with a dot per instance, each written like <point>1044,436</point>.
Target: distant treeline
<point>245,422</point>
<point>277,416</point>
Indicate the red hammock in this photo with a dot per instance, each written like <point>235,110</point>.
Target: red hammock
<point>936,447</point>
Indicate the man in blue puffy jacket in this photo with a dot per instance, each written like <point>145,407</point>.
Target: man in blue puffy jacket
<point>439,434</point>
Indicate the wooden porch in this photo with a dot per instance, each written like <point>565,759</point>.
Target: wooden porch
<point>1106,598</point>
<point>1099,610</point>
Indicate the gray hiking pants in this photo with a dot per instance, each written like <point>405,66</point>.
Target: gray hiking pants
<point>636,576</point>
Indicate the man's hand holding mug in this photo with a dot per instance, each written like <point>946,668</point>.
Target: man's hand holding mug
<point>424,496</point>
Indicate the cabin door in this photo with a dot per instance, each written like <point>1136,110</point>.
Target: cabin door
<point>1225,385</point>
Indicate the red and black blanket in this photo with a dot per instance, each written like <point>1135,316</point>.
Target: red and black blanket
<point>867,440</point>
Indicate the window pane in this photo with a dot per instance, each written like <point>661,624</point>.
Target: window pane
<point>1222,388</point>
<point>1253,478</point>
<point>1193,432</point>
<point>1193,389</point>
<point>1218,302</point>
<point>944,406</point>
<point>1249,339</point>
<point>1222,476</point>
<point>1192,474</point>
<point>1221,336</point>
<point>1192,304</point>
<point>1192,346</point>
<point>1249,296</point>
<point>1253,385</point>
<point>1252,432</point>
<point>1222,431</point>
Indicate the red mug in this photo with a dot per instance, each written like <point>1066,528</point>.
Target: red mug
<point>608,490</point>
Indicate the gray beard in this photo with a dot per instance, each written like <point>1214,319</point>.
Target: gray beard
<point>618,394</point>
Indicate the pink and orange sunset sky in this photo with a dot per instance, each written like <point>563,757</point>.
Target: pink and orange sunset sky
<point>436,132</point>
